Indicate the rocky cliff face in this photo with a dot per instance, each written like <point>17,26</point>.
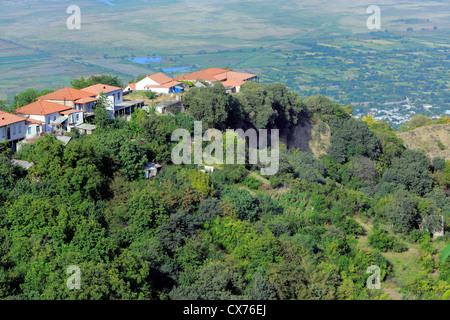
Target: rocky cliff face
<point>311,137</point>
<point>434,140</point>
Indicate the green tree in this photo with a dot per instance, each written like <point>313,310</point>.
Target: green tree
<point>209,105</point>
<point>351,137</point>
<point>26,97</point>
<point>402,212</point>
<point>411,170</point>
<point>107,79</point>
<point>102,117</point>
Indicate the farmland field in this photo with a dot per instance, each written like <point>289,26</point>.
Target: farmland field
<point>311,46</point>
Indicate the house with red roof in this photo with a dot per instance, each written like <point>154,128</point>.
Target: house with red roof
<point>158,83</point>
<point>15,128</point>
<point>53,116</point>
<point>113,94</point>
<point>117,107</point>
<point>73,98</point>
<point>12,127</point>
<point>232,80</point>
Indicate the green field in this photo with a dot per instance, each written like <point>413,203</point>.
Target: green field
<point>313,46</point>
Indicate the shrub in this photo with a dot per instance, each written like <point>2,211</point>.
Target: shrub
<point>252,183</point>
<point>415,235</point>
<point>381,240</point>
<point>399,247</point>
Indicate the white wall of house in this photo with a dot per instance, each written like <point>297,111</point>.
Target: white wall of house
<point>113,99</point>
<point>75,118</point>
<point>33,130</point>
<point>145,82</point>
<point>89,107</point>
<point>158,90</point>
<point>47,119</point>
<point>17,131</point>
<point>118,96</point>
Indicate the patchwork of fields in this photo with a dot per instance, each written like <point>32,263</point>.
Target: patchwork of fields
<point>311,46</point>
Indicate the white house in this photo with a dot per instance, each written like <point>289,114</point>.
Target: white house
<point>67,120</point>
<point>12,128</point>
<point>47,113</point>
<point>151,170</point>
<point>34,128</point>
<point>113,94</point>
<point>231,80</point>
<point>68,97</point>
<point>158,83</point>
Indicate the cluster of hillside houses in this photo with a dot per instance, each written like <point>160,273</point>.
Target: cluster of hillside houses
<point>61,111</point>
<point>67,109</point>
<point>160,83</point>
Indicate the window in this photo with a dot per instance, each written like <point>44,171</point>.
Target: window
<point>20,129</point>
<point>78,117</point>
<point>38,129</point>
<point>13,129</point>
<point>29,130</point>
<point>2,130</point>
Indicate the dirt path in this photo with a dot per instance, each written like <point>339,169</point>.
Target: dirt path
<point>362,239</point>
<point>260,178</point>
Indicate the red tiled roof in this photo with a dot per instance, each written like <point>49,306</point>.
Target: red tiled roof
<point>9,118</point>
<point>132,86</point>
<point>33,121</point>
<point>99,88</point>
<point>206,75</point>
<point>66,94</point>
<point>165,85</point>
<point>41,108</point>
<point>85,100</point>
<point>232,83</point>
<point>66,112</point>
<point>160,78</point>
<point>237,76</point>
<point>214,74</point>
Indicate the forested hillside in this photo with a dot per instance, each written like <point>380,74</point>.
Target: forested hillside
<point>309,232</point>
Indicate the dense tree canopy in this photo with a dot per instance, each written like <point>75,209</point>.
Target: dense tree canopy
<point>309,232</point>
<point>97,79</point>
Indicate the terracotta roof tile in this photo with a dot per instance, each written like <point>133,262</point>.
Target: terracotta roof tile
<point>160,78</point>
<point>85,100</point>
<point>99,88</point>
<point>42,108</point>
<point>9,118</point>
<point>66,112</point>
<point>33,121</point>
<point>214,74</point>
<point>67,94</point>
<point>132,86</point>
<point>165,85</point>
